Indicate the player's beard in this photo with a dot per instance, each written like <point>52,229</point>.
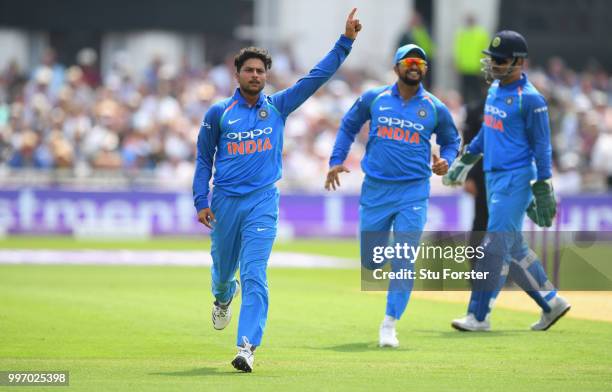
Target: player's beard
<point>409,81</point>
<point>251,88</point>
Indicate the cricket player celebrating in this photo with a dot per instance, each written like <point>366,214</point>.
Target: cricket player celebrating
<point>395,191</point>
<point>515,133</point>
<point>243,136</point>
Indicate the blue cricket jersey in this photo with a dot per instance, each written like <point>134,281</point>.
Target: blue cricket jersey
<point>246,143</point>
<point>515,130</point>
<point>398,146</point>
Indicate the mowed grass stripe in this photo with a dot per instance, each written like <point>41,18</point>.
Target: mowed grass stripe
<point>148,329</point>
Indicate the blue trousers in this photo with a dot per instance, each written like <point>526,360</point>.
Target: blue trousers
<point>243,236</point>
<point>402,206</point>
<point>506,251</point>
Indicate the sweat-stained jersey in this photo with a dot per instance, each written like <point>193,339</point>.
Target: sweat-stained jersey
<point>398,146</point>
<point>246,143</point>
<point>515,130</point>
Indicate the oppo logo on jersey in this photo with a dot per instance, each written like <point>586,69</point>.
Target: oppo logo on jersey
<point>399,129</point>
<point>252,134</point>
<point>401,123</point>
<point>494,110</point>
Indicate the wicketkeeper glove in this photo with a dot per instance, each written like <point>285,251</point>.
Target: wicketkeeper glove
<point>543,207</point>
<point>459,169</point>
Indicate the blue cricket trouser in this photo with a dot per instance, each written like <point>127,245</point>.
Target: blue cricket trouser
<point>242,236</point>
<point>403,207</point>
<point>506,251</point>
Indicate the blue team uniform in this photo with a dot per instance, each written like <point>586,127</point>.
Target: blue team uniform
<point>245,143</point>
<point>395,190</point>
<point>515,134</point>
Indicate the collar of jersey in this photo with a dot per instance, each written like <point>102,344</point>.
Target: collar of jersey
<point>395,91</point>
<point>514,84</point>
<point>238,97</point>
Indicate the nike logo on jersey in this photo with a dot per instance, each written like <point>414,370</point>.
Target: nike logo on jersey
<point>230,122</point>
<point>416,208</point>
<point>260,229</point>
<point>383,108</point>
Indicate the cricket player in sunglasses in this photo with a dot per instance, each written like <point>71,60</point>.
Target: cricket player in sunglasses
<point>403,117</point>
<point>515,142</point>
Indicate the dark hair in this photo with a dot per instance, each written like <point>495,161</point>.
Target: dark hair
<point>250,53</point>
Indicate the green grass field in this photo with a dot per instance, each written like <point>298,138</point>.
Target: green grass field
<point>121,328</point>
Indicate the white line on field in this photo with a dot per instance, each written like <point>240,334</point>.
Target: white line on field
<point>159,257</point>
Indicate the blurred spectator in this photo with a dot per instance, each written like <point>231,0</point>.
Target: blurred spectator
<point>469,43</point>
<point>222,76</point>
<point>152,73</point>
<point>13,81</point>
<point>602,156</point>
<point>53,71</point>
<point>147,125</point>
<point>87,60</point>
<point>30,152</point>
<point>418,33</point>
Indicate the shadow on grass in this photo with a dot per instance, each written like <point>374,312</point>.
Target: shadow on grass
<point>198,372</point>
<point>212,371</point>
<point>450,334</point>
<point>454,334</point>
<point>359,347</point>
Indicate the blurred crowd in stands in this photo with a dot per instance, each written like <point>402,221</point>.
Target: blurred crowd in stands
<point>74,118</point>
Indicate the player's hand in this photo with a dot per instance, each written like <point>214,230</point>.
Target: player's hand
<point>333,177</point>
<point>439,166</point>
<point>459,169</point>
<point>543,207</point>
<point>352,25</point>
<point>206,217</point>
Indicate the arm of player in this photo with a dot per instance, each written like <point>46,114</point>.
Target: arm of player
<point>537,126</point>
<point>350,126</point>
<point>543,207</point>
<point>286,101</point>
<point>208,139</point>
<point>448,139</point>
<point>476,146</point>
